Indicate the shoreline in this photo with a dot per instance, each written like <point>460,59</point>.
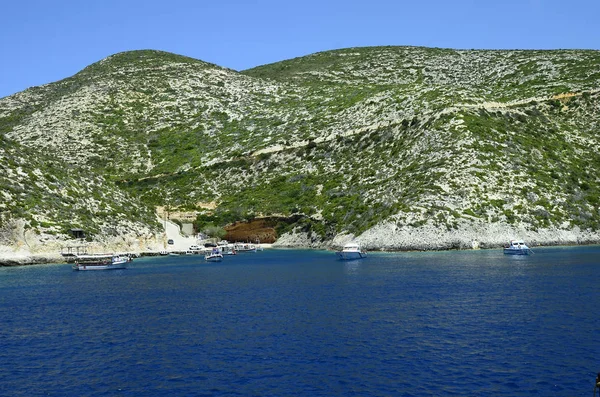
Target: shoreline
<point>384,237</point>
<point>16,259</point>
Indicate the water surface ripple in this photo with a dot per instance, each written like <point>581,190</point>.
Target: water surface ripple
<point>299,323</point>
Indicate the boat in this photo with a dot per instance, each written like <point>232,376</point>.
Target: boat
<point>226,248</point>
<point>244,247</point>
<point>100,262</point>
<point>229,250</point>
<point>517,247</point>
<point>214,256</point>
<point>351,251</point>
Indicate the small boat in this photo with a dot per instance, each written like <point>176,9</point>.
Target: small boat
<point>517,247</point>
<point>351,251</point>
<point>100,262</point>
<point>226,248</point>
<point>214,256</point>
<point>244,247</point>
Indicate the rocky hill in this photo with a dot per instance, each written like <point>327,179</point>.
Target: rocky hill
<point>43,199</point>
<point>405,147</point>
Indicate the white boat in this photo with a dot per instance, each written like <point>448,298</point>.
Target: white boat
<point>517,247</point>
<point>244,247</point>
<point>100,262</point>
<point>228,251</point>
<point>351,251</point>
<point>214,256</point>
<point>226,248</point>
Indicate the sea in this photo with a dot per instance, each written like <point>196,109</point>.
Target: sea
<point>303,323</point>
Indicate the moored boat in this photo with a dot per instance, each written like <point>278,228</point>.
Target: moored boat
<point>351,251</point>
<point>100,262</point>
<point>214,256</point>
<point>244,247</point>
<point>517,247</point>
<point>226,247</point>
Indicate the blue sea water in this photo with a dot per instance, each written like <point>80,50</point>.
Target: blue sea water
<point>302,323</point>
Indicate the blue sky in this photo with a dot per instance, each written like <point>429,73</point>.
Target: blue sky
<point>46,41</point>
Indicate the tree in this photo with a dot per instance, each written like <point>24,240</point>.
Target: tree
<point>214,231</point>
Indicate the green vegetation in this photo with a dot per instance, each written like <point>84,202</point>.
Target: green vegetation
<point>342,139</point>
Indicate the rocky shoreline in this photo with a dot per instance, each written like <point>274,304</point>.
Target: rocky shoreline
<point>35,252</point>
<point>467,235</point>
<point>21,259</point>
<point>383,237</point>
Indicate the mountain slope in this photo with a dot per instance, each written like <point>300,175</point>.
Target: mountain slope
<point>50,198</point>
<point>405,137</point>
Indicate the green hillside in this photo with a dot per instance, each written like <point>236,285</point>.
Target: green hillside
<point>350,138</point>
<point>53,197</point>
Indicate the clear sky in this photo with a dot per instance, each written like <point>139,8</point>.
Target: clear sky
<point>42,41</point>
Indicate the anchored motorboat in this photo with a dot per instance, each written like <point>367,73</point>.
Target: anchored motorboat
<point>517,247</point>
<point>351,251</point>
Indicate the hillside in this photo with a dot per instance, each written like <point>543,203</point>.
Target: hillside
<point>44,198</point>
<point>407,147</point>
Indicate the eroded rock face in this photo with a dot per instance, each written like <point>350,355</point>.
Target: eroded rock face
<point>20,259</point>
<point>261,230</point>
